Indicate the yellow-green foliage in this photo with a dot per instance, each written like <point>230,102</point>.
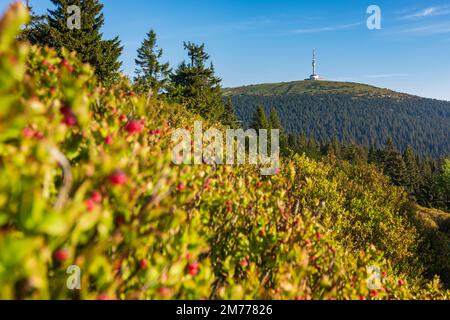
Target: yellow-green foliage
<point>79,187</point>
<point>435,226</point>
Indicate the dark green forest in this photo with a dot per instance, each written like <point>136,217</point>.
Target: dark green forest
<point>351,113</point>
<point>426,179</point>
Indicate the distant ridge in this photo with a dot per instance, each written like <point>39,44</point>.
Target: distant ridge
<point>314,87</point>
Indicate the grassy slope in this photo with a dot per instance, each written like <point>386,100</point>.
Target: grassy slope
<point>435,225</point>
<point>314,87</point>
<point>440,218</point>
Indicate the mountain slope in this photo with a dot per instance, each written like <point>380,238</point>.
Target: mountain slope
<point>351,112</point>
<point>313,87</point>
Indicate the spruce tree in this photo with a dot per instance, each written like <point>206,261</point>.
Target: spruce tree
<point>292,142</point>
<point>373,154</point>
<point>274,120</point>
<point>275,123</point>
<point>412,171</point>
<point>87,41</point>
<point>440,187</point>
<point>196,85</point>
<point>446,173</point>
<point>302,143</point>
<point>229,118</point>
<point>151,75</point>
<point>312,147</point>
<point>35,31</point>
<point>260,119</point>
<point>394,166</point>
<point>445,184</point>
<point>335,147</point>
<point>425,196</point>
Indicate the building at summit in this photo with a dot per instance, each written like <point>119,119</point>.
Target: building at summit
<point>314,76</point>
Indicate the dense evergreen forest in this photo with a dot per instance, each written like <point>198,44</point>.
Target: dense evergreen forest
<point>426,179</point>
<point>352,114</point>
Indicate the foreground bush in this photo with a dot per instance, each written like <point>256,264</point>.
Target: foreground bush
<point>86,179</point>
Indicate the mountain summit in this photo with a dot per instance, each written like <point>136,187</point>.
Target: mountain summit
<point>351,112</point>
<point>314,88</point>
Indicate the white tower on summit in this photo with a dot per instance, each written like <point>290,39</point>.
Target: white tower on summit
<point>314,76</point>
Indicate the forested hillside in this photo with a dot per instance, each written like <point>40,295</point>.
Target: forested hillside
<point>351,113</point>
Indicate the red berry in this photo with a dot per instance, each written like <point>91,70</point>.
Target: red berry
<point>318,236</point>
<point>70,120</point>
<point>108,140</point>
<point>244,263</point>
<point>96,197</point>
<point>259,184</point>
<point>65,110</point>
<point>134,127</point>
<point>181,187</point>
<point>362,298</point>
<point>143,264</point>
<point>28,133</point>
<point>206,184</point>
<point>164,291</point>
<point>52,91</point>
<point>38,135</point>
<point>374,293</point>
<point>120,220</point>
<point>123,118</point>
<point>67,65</point>
<point>401,282</point>
<point>193,269</point>
<point>90,205</point>
<point>103,297</point>
<point>118,178</point>
<point>61,255</point>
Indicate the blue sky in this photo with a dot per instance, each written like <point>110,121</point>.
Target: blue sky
<point>260,41</point>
